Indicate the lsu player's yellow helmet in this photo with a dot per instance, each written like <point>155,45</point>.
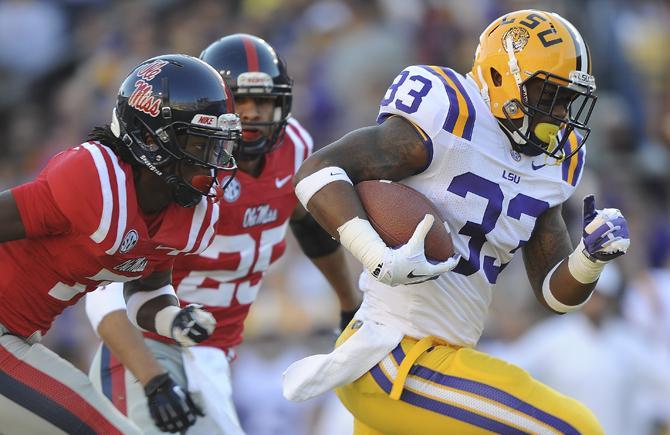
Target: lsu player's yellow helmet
<point>530,44</point>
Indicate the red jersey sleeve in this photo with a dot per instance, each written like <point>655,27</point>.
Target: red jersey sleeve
<point>39,213</point>
<point>301,139</point>
<point>75,180</point>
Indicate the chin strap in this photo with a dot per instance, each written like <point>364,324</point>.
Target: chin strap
<point>515,135</point>
<point>484,92</point>
<point>483,87</point>
<point>182,193</point>
<point>512,62</point>
<point>514,69</point>
<point>518,142</point>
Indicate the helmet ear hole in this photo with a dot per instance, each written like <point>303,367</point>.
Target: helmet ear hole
<point>496,77</point>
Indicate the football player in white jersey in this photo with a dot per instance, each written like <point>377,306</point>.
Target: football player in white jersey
<point>497,151</point>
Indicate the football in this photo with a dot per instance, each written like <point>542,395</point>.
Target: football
<point>394,210</point>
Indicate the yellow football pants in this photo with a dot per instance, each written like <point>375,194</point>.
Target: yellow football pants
<point>429,387</point>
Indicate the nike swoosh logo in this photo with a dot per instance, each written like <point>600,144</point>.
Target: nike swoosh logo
<point>536,167</point>
<point>279,182</point>
<point>165,247</point>
<point>412,276</point>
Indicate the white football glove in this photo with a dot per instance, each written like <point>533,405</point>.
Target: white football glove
<point>192,325</point>
<point>408,264</point>
<point>405,265</point>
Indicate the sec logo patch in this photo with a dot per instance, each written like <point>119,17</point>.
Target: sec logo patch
<point>129,241</point>
<point>233,190</point>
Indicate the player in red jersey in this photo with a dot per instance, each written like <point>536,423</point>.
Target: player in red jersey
<point>259,205</point>
<point>118,208</point>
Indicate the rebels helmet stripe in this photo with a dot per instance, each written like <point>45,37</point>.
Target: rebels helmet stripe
<point>252,55</point>
<point>229,98</point>
<point>581,51</point>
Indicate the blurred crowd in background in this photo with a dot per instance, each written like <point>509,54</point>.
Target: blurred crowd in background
<point>61,62</point>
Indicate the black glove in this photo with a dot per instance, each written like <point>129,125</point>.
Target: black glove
<point>345,318</point>
<point>170,406</point>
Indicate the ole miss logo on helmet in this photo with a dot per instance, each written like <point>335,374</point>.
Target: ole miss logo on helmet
<point>143,100</point>
<point>149,71</point>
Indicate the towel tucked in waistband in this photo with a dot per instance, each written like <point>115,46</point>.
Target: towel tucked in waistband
<point>317,374</point>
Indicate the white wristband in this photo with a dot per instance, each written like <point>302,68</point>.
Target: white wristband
<point>138,299</point>
<point>554,303</point>
<point>582,268</point>
<point>311,184</point>
<point>164,319</point>
<point>364,243</point>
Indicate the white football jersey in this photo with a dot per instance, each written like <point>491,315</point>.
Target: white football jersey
<point>489,194</point>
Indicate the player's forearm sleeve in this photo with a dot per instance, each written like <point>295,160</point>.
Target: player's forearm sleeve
<point>138,299</point>
<point>102,301</point>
